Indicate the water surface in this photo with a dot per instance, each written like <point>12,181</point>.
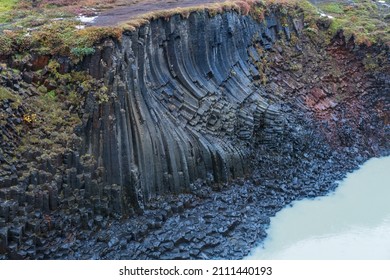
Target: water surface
<point>351,223</point>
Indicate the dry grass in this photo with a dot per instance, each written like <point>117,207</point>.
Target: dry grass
<point>255,8</point>
<point>184,12</point>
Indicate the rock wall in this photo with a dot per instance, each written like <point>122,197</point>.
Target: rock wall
<point>184,104</point>
<point>181,100</point>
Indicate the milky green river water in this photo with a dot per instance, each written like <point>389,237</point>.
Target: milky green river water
<point>351,223</point>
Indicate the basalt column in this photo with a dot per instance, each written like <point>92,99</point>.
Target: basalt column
<point>183,104</point>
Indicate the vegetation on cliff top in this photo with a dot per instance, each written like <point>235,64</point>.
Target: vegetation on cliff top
<point>7,5</point>
<point>52,27</point>
<point>366,20</point>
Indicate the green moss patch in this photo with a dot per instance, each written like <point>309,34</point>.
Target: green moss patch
<point>5,94</point>
<point>333,8</point>
<point>363,20</point>
<point>6,5</point>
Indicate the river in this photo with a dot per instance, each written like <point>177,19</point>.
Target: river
<point>351,223</point>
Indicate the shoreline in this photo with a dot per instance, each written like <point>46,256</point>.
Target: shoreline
<point>207,224</point>
<point>341,226</point>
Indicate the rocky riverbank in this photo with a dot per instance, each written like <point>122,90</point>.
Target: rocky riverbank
<point>214,222</point>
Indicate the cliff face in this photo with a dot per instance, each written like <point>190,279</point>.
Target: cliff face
<point>187,103</point>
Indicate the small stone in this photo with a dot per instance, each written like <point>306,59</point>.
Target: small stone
<point>113,242</point>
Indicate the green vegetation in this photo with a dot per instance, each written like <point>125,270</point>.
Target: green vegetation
<point>51,114</point>
<point>333,8</point>
<point>6,5</point>
<point>5,94</point>
<point>295,66</point>
<point>262,65</point>
<point>82,51</point>
<point>363,20</point>
<point>55,38</point>
<point>258,13</point>
<point>48,28</point>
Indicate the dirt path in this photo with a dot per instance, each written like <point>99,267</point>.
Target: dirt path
<point>128,9</point>
<point>134,8</point>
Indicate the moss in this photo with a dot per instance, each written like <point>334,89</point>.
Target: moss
<point>371,63</point>
<point>5,94</point>
<point>7,5</point>
<point>295,66</point>
<point>363,21</point>
<point>333,8</point>
<point>5,45</point>
<point>262,65</point>
<point>62,38</point>
<point>74,98</point>
<point>336,25</point>
<point>51,95</point>
<point>102,95</point>
<point>80,52</point>
<point>42,89</point>
<point>34,140</point>
<point>56,38</point>
<point>50,117</point>
<point>258,13</point>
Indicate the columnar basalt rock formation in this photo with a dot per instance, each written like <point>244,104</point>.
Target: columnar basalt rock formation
<point>185,103</point>
<point>237,116</point>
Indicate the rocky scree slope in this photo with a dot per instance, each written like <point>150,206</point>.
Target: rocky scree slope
<point>186,105</point>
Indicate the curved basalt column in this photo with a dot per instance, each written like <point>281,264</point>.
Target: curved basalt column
<point>185,103</point>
